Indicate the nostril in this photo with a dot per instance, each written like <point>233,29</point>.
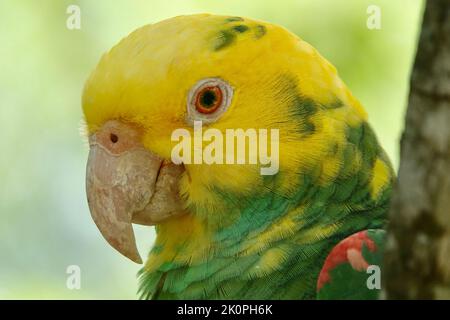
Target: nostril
<point>114,138</point>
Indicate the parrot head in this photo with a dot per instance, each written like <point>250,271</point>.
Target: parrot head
<point>228,73</point>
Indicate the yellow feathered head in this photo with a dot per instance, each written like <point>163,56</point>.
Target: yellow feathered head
<point>229,73</point>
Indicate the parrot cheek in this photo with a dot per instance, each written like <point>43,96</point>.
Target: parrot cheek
<point>125,184</point>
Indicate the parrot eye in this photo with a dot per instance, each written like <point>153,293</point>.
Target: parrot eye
<point>209,99</point>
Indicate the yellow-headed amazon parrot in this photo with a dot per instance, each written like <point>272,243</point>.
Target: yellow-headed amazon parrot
<point>224,230</point>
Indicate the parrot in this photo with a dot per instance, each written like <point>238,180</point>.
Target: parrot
<point>313,229</point>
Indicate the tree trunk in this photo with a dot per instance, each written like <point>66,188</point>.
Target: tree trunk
<point>417,256</point>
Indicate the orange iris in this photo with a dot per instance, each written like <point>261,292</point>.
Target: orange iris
<point>208,99</point>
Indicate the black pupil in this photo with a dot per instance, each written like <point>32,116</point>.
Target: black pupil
<point>208,98</point>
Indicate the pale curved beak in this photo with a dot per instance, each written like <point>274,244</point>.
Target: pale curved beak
<point>126,183</point>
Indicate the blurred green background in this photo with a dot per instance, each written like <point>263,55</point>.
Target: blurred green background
<point>45,225</point>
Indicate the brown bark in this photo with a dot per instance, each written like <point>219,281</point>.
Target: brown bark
<point>417,258</point>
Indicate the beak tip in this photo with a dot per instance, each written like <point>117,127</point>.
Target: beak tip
<point>137,259</point>
<point>127,248</point>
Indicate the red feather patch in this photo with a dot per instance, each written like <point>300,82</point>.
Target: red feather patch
<point>349,251</point>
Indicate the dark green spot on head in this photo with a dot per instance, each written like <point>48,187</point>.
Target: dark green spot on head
<point>260,31</point>
<point>223,39</point>
<point>240,28</point>
<point>300,107</point>
<point>308,127</point>
<point>334,105</point>
<point>232,19</point>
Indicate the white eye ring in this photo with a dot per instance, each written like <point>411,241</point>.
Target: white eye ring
<point>227,94</point>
